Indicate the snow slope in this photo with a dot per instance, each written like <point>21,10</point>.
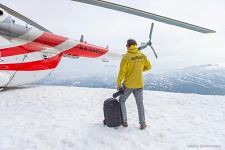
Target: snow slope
<point>70,118</point>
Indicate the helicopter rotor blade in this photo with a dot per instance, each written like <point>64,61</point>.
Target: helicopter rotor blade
<point>145,14</point>
<point>154,51</point>
<point>25,19</point>
<point>150,34</point>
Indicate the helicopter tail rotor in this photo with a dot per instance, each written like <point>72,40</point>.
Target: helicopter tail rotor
<point>149,43</point>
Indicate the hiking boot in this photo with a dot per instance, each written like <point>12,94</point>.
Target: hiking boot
<point>125,124</point>
<point>143,126</point>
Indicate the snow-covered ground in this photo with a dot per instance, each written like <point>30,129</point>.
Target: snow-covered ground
<point>70,118</point>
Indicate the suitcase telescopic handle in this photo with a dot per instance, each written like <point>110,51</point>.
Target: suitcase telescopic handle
<point>118,93</point>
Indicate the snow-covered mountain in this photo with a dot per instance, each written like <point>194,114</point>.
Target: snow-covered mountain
<point>70,118</point>
<point>205,79</point>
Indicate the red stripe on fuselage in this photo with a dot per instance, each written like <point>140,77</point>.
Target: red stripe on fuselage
<point>86,50</point>
<point>45,64</point>
<point>50,39</point>
<point>46,40</point>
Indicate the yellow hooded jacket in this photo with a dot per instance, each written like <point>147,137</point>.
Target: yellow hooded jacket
<point>132,66</point>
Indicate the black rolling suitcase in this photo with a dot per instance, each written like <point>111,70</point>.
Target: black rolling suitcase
<point>112,111</point>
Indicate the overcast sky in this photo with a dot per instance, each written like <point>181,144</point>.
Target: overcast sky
<point>176,47</point>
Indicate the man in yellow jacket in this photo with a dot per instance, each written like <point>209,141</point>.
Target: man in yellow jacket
<point>130,78</point>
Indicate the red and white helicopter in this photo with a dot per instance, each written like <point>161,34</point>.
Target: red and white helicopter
<point>33,51</point>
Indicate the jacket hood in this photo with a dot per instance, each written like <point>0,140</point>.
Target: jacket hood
<point>133,49</point>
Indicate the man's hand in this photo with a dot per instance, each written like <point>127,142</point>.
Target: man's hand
<point>118,87</point>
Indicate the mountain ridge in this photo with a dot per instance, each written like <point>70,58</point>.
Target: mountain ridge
<point>203,79</point>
